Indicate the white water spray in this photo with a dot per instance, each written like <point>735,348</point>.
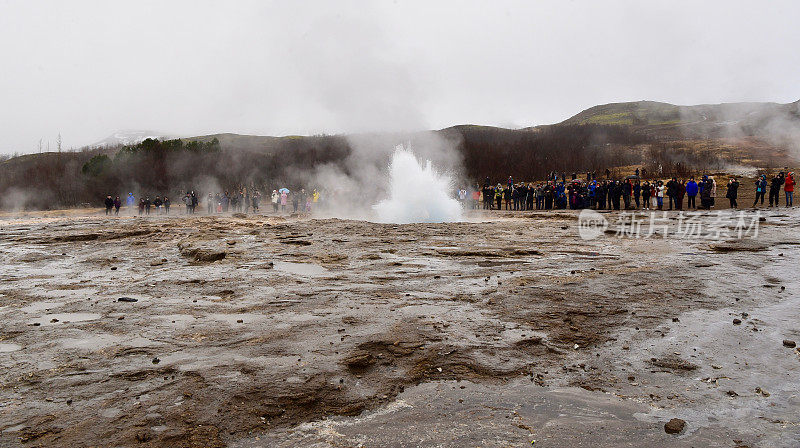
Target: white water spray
<point>418,193</point>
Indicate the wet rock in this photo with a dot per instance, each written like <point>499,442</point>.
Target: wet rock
<point>359,361</point>
<point>738,246</point>
<point>673,363</point>
<point>201,255</point>
<point>674,426</point>
<point>737,321</point>
<point>113,268</point>
<point>208,256</point>
<point>127,299</point>
<point>156,360</point>
<point>788,343</point>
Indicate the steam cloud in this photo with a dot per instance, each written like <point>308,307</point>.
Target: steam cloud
<point>377,171</point>
<point>418,193</point>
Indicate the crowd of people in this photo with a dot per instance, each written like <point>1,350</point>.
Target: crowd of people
<point>223,202</point>
<point>632,192</point>
<point>629,193</point>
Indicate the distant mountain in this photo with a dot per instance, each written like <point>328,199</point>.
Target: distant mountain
<point>668,121</point>
<point>129,137</point>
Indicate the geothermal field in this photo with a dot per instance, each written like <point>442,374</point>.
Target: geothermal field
<point>503,329</point>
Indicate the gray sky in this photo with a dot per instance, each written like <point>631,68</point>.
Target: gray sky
<point>89,68</point>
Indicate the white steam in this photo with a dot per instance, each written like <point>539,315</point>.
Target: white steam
<point>417,192</point>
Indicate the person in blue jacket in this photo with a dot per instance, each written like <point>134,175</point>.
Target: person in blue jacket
<point>761,189</point>
<point>691,193</point>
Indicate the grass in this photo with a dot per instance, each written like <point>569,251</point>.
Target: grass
<point>620,118</point>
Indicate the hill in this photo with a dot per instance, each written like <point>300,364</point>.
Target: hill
<point>665,121</point>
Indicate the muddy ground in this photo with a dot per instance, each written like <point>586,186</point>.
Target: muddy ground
<point>505,330</point>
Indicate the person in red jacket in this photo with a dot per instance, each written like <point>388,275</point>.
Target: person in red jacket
<point>788,188</point>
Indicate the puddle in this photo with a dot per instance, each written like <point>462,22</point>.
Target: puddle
<point>47,319</point>
<point>303,269</point>
<point>40,306</point>
<point>235,318</point>
<point>110,412</point>
<point>92,342</point>
<point>8,347</point>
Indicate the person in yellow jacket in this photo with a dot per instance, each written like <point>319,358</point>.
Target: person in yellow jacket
<point>498,196</point>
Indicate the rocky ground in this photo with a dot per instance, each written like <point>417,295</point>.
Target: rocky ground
<point>504,330</point>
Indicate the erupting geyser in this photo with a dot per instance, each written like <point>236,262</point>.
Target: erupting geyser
<point>417,193</point>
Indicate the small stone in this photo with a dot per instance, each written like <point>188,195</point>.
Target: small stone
<point>732,393</point>
<point>788,343</point>
<point>675,319</point>
<point>156,360</point>
<point>121,318</point>
<point>674,426</point>
<point>737,321</point>
<point>113,268</point>
<point>127,299</point>
<point>240,321</point>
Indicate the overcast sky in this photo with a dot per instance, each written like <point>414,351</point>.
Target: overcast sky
<point>87,69</point>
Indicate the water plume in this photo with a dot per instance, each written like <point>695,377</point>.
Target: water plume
<point>417,192</point>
